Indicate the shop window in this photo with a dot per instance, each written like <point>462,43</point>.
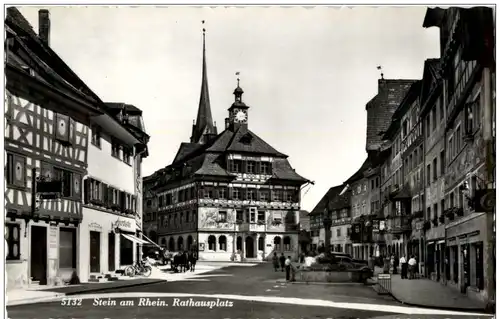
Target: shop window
<point>13,241</point>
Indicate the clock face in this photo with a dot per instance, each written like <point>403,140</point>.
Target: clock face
<point>241,116</point>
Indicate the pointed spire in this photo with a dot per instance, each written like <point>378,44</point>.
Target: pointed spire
<point>204,125</point>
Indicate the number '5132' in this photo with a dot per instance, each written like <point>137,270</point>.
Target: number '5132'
<point>71,302</point>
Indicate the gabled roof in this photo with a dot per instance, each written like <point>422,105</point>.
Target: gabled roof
<point>184,150</point>
<point>359,173</point>
<point>207,159</point>
<point>431,79</point>
<point>333,199</point>
<point>433,17</point>
<point>283,171</point>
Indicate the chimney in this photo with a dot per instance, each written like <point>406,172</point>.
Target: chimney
<point>226,120</point>
<point>44,25</point>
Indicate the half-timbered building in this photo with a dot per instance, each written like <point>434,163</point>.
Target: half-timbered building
<point>46,137</point>
<point>48,113</point>
<point>229,195</point>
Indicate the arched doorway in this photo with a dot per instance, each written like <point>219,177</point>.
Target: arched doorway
<point>249,247</point>
<point>171,244</point>
<point>163,242</point>
<point>190,242</point>
<point>277,243</point>
<point>180,244</point>
<point>239,243</point>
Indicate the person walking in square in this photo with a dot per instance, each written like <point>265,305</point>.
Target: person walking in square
<point>276,263</point>
<point>404,267</point>
<point>282,262</point>
<point>288,267</point>
<point>412,263</point>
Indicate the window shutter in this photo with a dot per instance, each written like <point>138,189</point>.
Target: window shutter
<point>9,170</point>
<point>61,128</point>
<point>122,201</point>
<point>109,202</point>
<point>104,194</point>
<point>229,193</point>
<point>72,129</point>
<point>86,190</point>
<point>77,186</point>
<point>19,171</point>
<point>216,192</point>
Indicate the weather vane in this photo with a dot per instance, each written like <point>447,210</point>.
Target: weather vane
<point>381,71</point>
<point>238,77</point>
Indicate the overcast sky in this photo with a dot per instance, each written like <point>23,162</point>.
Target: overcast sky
<point>307,73</point>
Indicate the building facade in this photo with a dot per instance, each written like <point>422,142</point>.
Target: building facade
<point>110,233</point>
<point>150,210</point>
<point>335,204</point>
<point>468,73</point>
<point>433,117</point>
<point>46,137</point>
<point>402,188</point>
<point>228,196</point>
<point>65,187</point>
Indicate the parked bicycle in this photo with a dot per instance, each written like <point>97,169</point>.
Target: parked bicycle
<point>140,268</point>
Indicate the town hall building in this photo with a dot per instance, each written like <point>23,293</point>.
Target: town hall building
<point>228,195</point>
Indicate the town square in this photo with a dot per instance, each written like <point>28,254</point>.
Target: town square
<point>250,162</point>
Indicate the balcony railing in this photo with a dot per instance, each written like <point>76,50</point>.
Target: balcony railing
<point>400,224</point>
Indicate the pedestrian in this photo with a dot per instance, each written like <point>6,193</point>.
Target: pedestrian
<point>393,265</point>
<point>276,263</point>
<point>412,263</point>
<point>288,266</point>
<point>404,267</point>
<point>282,262</point>
<point>192,261</point>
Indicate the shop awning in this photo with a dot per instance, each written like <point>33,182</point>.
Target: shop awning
<point>134,239</point>
<point>150,242</point>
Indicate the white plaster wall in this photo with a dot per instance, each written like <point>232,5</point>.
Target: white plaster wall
<point>105,221</point>
<point>216,254</point>
<point>18,271</point>
<point>109,169</point>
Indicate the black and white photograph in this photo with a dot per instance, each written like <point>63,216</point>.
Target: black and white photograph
<point>238,161</point>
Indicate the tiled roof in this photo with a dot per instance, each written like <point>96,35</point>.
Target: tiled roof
<point>333,198</point>
<point>16,17</point>
<point>205,159</point>
<point>185,149</point>
<point>282,170</point>
<point>359,173</point>
<point>210,166</point>
<point>128,107</point>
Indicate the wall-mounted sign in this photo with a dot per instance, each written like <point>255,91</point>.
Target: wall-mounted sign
<point>124,224</point>
<point>95,226</point>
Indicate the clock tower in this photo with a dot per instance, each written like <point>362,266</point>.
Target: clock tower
<point>238,112</point>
